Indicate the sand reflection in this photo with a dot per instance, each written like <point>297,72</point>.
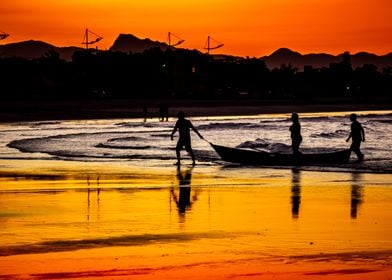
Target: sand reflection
<point>356,194</point>
<point>182,195</point>
<point>295,192</point>
<point>187,218</point>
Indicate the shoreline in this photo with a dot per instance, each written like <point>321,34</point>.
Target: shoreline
<point>121,172</point>
<point>34,110</point>
<point>39,170</point>
<point>10,165</point>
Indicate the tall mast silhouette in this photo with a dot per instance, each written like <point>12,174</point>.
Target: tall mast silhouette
<point>86,39</point>
<point>208,46</point>
<point>178,40</point>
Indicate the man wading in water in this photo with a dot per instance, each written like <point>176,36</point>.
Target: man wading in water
<point>358,135</point>
<point>183,125</point>
<point>295,130</point>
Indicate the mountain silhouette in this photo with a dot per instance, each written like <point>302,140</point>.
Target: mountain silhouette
<point>319,60</point>
<point>130,43</point>
<point>362,58</point>
<point>35,49</point>
<point>282,56</point>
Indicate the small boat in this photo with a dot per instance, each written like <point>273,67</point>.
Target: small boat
<point>250,157</point>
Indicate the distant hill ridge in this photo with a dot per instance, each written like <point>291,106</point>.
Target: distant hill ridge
<point>35,49</point>
<point>130,43</point>
<point>318,60</point>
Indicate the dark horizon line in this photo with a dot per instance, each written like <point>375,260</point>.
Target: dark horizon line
<point>243,56</point>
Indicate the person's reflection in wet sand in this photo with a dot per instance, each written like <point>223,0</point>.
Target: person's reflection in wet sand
<point>184,200</point>
<point>89,190</point>
<point>356,194</point>
<point>295,192</point>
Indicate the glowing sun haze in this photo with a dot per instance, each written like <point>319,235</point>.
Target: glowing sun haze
<point>247,27</point>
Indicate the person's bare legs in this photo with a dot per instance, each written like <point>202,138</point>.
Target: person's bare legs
<point>178,156</point>
<point>193,157</point>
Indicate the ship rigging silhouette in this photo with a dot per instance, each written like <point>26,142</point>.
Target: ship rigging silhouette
<point>87,41</point>
<point>212,44</point>
<point>178,40</point>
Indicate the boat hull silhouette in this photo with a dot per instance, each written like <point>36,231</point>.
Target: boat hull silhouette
<point>249,157</point>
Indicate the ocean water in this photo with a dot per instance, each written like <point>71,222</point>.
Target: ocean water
<point>148,143</point>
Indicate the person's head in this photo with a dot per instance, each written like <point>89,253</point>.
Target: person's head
<point>294,117</point>
<point>181,115</point>
<point>353,117</point>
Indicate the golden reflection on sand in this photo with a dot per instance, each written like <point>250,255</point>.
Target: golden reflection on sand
<point>215,223</point>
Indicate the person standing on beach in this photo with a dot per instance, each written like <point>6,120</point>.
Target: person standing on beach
<point>183,125</point>
<point>296,137</point>
<point>145,112</point>
<point>163,112</point>
<point>358,135</point>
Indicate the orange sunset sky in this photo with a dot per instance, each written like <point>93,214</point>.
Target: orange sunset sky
<point>246,27</point>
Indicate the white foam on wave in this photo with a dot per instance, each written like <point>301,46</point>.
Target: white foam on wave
<point>151,143</point>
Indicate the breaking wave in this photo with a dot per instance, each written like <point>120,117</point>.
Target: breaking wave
<point>337,133</point>
<point>102,145</point>
<point>228,125</point>
<point>125,139</point>
<point>136,140</point>
<point>261,144</point>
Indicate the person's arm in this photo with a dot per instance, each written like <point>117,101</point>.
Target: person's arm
<point>195,130</point>
<point>363,134</point>
<point>174,131</point>
<point>349,137</point>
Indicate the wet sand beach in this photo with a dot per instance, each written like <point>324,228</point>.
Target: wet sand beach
<point>209,222</point>
<point>65,214</point>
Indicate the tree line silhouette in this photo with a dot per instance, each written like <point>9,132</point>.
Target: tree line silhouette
<point>185,74</point>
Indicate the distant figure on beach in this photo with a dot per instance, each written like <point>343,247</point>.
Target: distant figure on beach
<point>166,112</point>
<point>145,112</point>
<point>163,112</point>
<point>183,125</point>
<point>295,130</point>
<point>358,135</point>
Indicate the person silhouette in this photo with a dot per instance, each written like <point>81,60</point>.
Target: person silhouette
<point>166,112</point>
<point>357,134</point>
<point>145,112</point>
<point>163,112</point>
<point>295,130</point>
<point>183,126</point>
